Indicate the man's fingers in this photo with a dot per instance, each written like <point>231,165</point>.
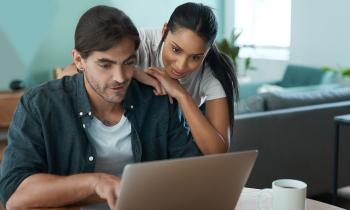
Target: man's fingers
<point>112,201</point>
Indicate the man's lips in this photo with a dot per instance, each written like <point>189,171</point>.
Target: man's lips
<point>119,88</point>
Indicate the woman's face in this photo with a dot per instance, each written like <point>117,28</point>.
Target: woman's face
<point>183,52</point>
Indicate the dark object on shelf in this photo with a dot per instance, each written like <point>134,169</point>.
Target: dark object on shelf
<point>17,85</point>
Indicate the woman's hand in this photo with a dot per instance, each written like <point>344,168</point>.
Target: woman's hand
<point>172,86</point>
<point>144,78</point>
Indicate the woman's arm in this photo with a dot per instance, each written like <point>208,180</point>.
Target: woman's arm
<point>144,78</point>
<point>211,132</point>
<point>139,75</point>
<point>46,190</point>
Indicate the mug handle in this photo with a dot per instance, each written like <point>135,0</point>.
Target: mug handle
<point>261,194</point>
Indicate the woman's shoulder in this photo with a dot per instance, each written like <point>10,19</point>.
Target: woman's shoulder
<point>210,85</point>
<point>150,35</point>
<point>208,75</point>
<point>147,54</point>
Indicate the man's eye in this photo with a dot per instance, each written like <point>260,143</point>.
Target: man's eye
<point>105,66</point>
<point>130,63</point>
<point>175,50</point>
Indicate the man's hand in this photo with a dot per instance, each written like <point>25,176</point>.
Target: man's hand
<point>48,190</point>
<point>107,187</point>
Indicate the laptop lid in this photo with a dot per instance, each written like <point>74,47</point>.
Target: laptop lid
<point>205,183</point>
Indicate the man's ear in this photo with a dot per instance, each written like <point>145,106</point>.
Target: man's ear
<point>78,60</point>
<point>165,29</point>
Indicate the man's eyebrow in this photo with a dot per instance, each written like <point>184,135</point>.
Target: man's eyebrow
<point>133,56</point>
<point>197,54</point>
<point>106,60</point>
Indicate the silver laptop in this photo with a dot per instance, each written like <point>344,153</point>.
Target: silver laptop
<point>203,183</point>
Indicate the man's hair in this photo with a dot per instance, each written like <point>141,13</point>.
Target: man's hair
<point>102,27</point>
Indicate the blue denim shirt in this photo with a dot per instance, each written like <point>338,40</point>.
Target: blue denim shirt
<point>47,134</point>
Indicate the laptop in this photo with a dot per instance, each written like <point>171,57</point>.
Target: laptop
<point>196,183</point>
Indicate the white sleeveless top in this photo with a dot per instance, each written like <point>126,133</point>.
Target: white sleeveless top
<point>112,144</point>
<point>201,87</point>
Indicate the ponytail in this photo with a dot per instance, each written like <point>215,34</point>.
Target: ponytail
<point>223,69</point>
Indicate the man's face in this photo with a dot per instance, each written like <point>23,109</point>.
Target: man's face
<point>108,74</point>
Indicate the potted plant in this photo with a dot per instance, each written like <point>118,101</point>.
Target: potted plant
<point>342,74</point>
<point>230,48</point>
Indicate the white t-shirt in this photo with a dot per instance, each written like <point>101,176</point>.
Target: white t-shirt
<point>201,86</point>
<point>112,144</point>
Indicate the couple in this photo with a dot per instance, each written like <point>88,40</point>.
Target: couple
<point>71,138</point>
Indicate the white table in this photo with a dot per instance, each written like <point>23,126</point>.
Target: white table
<point>249,196</point>
<point>247,201</point>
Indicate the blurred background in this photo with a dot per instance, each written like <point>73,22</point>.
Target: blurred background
<point>37,36</point>
<point>292,57</point>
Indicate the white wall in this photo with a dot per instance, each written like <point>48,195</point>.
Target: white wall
<point>320,36</point>
<point>36,36</point>
<point>320,32</point>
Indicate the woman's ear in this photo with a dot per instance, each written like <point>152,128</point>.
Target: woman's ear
<point>165,29</point>
<point>78,60</point>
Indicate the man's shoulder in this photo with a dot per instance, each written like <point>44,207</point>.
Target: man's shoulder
<point>52,89</point>
<point>139,90</point>
<point>142,93</point>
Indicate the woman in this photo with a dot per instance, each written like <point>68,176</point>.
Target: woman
<point>184,63</point>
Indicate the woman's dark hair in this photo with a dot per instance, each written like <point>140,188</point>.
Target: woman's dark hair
<point>102,27</point>
<point>201,20</point>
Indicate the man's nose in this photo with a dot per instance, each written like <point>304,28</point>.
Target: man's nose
<point>119,74</point>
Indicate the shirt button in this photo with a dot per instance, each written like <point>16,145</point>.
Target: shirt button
<point>91,158</point>
<point>81,113</point>
<point>89,113</point>
<point>84,126</point>
<point>132,106</point>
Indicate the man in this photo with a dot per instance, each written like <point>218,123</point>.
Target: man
<point>71,138</point>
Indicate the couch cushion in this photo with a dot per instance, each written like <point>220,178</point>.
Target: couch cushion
<point>281,100</point>
<point>302,76</point>
<point>250,104</point>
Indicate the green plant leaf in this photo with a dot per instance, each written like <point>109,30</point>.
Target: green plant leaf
<point>328,69</point>
<point>346,72</point>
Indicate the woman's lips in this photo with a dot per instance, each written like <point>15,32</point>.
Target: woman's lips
<point>176,73</point>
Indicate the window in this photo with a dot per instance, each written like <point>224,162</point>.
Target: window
<point>264,26</point>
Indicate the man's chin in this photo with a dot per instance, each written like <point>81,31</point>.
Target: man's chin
<point>115,99</point>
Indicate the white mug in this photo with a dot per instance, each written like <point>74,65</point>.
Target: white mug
<point>287,194</point>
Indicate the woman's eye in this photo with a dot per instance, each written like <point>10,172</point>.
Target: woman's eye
<point>196,58</point>
<point>175,50</point>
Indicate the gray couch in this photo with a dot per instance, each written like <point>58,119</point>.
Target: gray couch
<point>294,134</point>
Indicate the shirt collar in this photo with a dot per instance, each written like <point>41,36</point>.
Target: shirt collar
<point>83,103</point>
<point>133,98</point>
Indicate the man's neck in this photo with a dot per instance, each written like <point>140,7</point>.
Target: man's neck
<point>107,112</point>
